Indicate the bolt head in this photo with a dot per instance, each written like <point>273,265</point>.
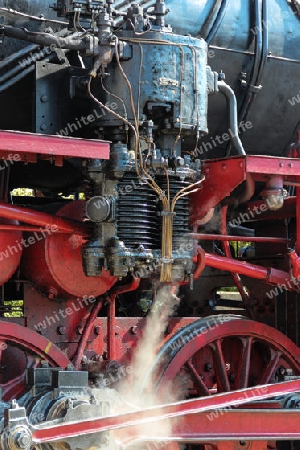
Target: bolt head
<point>21,438</point>
<point>61,330</point>
<point>97,330</point>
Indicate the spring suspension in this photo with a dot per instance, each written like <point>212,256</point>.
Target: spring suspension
<point>137,213</point>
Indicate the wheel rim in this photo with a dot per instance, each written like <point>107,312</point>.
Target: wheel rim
<point>21,348</point>
<point>223,353</point>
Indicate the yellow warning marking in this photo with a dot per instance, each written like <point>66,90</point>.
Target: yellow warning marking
<point>48,347</point>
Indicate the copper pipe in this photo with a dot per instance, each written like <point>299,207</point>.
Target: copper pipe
<point>226,237</point>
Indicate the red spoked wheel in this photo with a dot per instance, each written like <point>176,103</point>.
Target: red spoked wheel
<point>220,354</point>
<point>21,348</point>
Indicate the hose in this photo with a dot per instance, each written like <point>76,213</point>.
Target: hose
<point>260,58</point>
<point>217,22</point>
<point>226,90</point>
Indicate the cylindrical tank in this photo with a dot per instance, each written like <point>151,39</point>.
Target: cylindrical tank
<point>246,36</point>
<point>256,44</point>
<point>54,262</point>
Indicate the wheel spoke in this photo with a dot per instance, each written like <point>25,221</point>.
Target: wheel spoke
<point>200,385</point>
<point>220,367</point>
<point>270,367</point>
<point>244,371</point>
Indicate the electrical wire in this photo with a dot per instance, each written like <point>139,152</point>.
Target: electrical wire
<point>115,96</point>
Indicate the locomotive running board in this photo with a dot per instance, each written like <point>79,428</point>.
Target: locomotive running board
<point>28,145</point>
<point>203,419</point>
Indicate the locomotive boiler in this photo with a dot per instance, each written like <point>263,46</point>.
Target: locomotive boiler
<point>149,224</point>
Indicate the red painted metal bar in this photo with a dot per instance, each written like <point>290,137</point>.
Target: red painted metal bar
<point>238,425</point>
<point>273,165</point>
<point>268,274</point>
<point>41,219</point>
<point>191,412</point>
<point>297,246</point>
<point>17,142</point>
<point>227,237</point>
<point>89,325</point>
<point>19,228</point>
<point>111,328</point>
<point>200,260</point>
<point>226,247</point>
<point>26,228</point>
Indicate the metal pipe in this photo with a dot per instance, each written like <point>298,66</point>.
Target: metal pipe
<point>227,237</point>
<point>258,26</point>
<point>21,53</point>
<point>111,328</point>
<point>226,90</point>
<point>267,274</point>
<point>200,263</point>
<point>86,333</point>
<point>44,38</point>
<point>211,18</point>
<point>226,248</point>
<point>41,219</point>
<point>19,67</point>
<point>17,78</point>
<point>265,42</point>
<point>31,17</point>
<point>218,21</point>
<point>26,228</point>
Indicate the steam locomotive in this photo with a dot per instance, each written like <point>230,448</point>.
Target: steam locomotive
<point>149,224</point>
